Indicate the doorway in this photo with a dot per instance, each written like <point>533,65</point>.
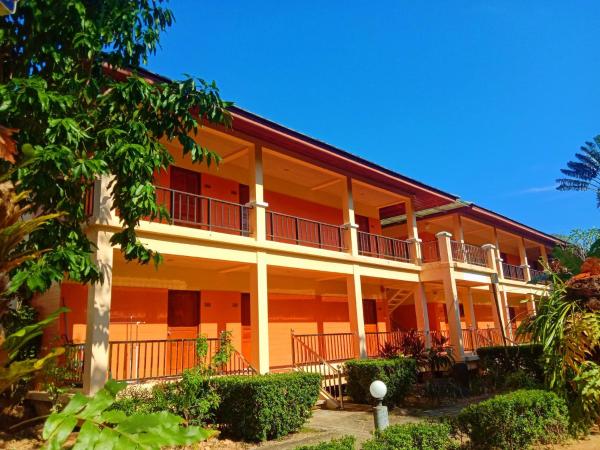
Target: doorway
<point>183,320</point>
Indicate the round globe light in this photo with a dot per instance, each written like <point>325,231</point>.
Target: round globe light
<point>378,389</point>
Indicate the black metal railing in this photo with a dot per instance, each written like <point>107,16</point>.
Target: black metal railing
<point>383,247</point>
<point>299,231</point>
<point>204,212</point>
<point>467,253</point>
<point>513,272</point>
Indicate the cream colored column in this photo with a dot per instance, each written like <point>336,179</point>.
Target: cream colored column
<point>96,354</point>
<point>445,247</point>
<point>523,259</point>
<point>457,229</point>
<point>497,257</point>
<point>259,314</point>
<point>351,235</point>
<point>544,254</point>
<point>470,311</point>
<point>498,310</point>
<point>531,307</point>
<point>413,232</point>
<point>422,313</point>
<point>355,310</point>
<point>96,357</point>
<point>257,202</point>
<point>451,296</point>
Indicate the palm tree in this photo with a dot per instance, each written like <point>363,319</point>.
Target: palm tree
<point>584,172</point>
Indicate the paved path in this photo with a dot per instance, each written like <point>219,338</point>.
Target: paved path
<point>356,420</point>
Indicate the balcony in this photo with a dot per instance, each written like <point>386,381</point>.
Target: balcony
<point>296,230</point>
<point>205,213</point>
<point>383,247</point>
<point>469,254</point>
<point>512,272</point>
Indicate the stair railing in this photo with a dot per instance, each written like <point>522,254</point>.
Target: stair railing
<point>305,359</point>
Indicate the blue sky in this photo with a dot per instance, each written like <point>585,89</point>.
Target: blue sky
<point>484,99</point>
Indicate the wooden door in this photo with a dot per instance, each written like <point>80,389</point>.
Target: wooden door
<point>370,315</point>
<point>186,205</point>
<point>246,329</point>
<point>183,319</point>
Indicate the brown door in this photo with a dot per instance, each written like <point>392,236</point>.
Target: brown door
<point>365,243</point>
<point>187,206</point>
<point>245,321</point>
<point>183,319</point>
<point>370,315</point>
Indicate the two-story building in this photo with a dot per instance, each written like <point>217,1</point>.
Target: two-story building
<point>303,252</point>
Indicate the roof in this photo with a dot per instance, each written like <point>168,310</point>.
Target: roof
<point>427,199</point>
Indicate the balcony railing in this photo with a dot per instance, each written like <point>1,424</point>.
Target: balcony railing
<point>137,361</point>
<point>430,251</point>
<point>383,247</point>
<point>299,231</point>
<point>204,212</point>
<point>513,272</point>
<point>467,253</point>
<point>538,276</point>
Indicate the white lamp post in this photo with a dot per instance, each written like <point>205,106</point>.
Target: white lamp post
<point>378,390</point>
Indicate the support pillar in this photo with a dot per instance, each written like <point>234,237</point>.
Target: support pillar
<point>96,356</point>
<point>259,314</point>
<point>458,229</point>
<point>258,213</point>
<point>453,309</point>
<point>451,296</point>
<point>413,232</point>
<point>523,259</point>
<point>470,311</point>
<point>351,235</point>
<point>355,310</point>
<point>422,313</point>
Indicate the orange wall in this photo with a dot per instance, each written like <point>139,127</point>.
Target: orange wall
<point>305,315</point>
<point>294,206</point>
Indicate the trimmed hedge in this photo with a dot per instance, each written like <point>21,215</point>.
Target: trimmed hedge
<point>265,406</point>
<point>515,420</point>
<point>413,436</point>
<point>343,443</point>
<point>399,375</point>
<point>500,361</point>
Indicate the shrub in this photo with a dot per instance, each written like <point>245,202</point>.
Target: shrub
<point>193,397</point>
<point>399,375</point>
<point>498,362</point>
<point>414,436</point>
<point>343,443</point>
<point>265,406</point>
<point>515,420</point>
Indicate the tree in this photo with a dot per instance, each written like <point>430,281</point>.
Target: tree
<point>75,102</point>
<point>584,172</point>
<point>567,326</point>
<point>579,245</point>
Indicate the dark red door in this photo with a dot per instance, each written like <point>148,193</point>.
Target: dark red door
<point>183,319</point>
<point>187,207</point>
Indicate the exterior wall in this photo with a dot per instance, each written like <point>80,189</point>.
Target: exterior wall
<point>484,316</point>
<point>404,317</point>
<point>286,204</point>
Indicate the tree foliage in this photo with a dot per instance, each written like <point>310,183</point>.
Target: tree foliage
<point>584,172</point>
<point>102,427</point>
<point>72,96</point>
<point>580,244</point>
<point>569,332</point>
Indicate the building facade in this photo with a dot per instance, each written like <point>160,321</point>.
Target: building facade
<point>295,247</point>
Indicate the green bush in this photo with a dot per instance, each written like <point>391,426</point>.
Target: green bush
<point>265,406</point>
<point>414,436</point>
<point>399,375</point>
<point>515,420</point>
<point>344,443</point>
<point>193,397</point>
<point>499,362</point>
